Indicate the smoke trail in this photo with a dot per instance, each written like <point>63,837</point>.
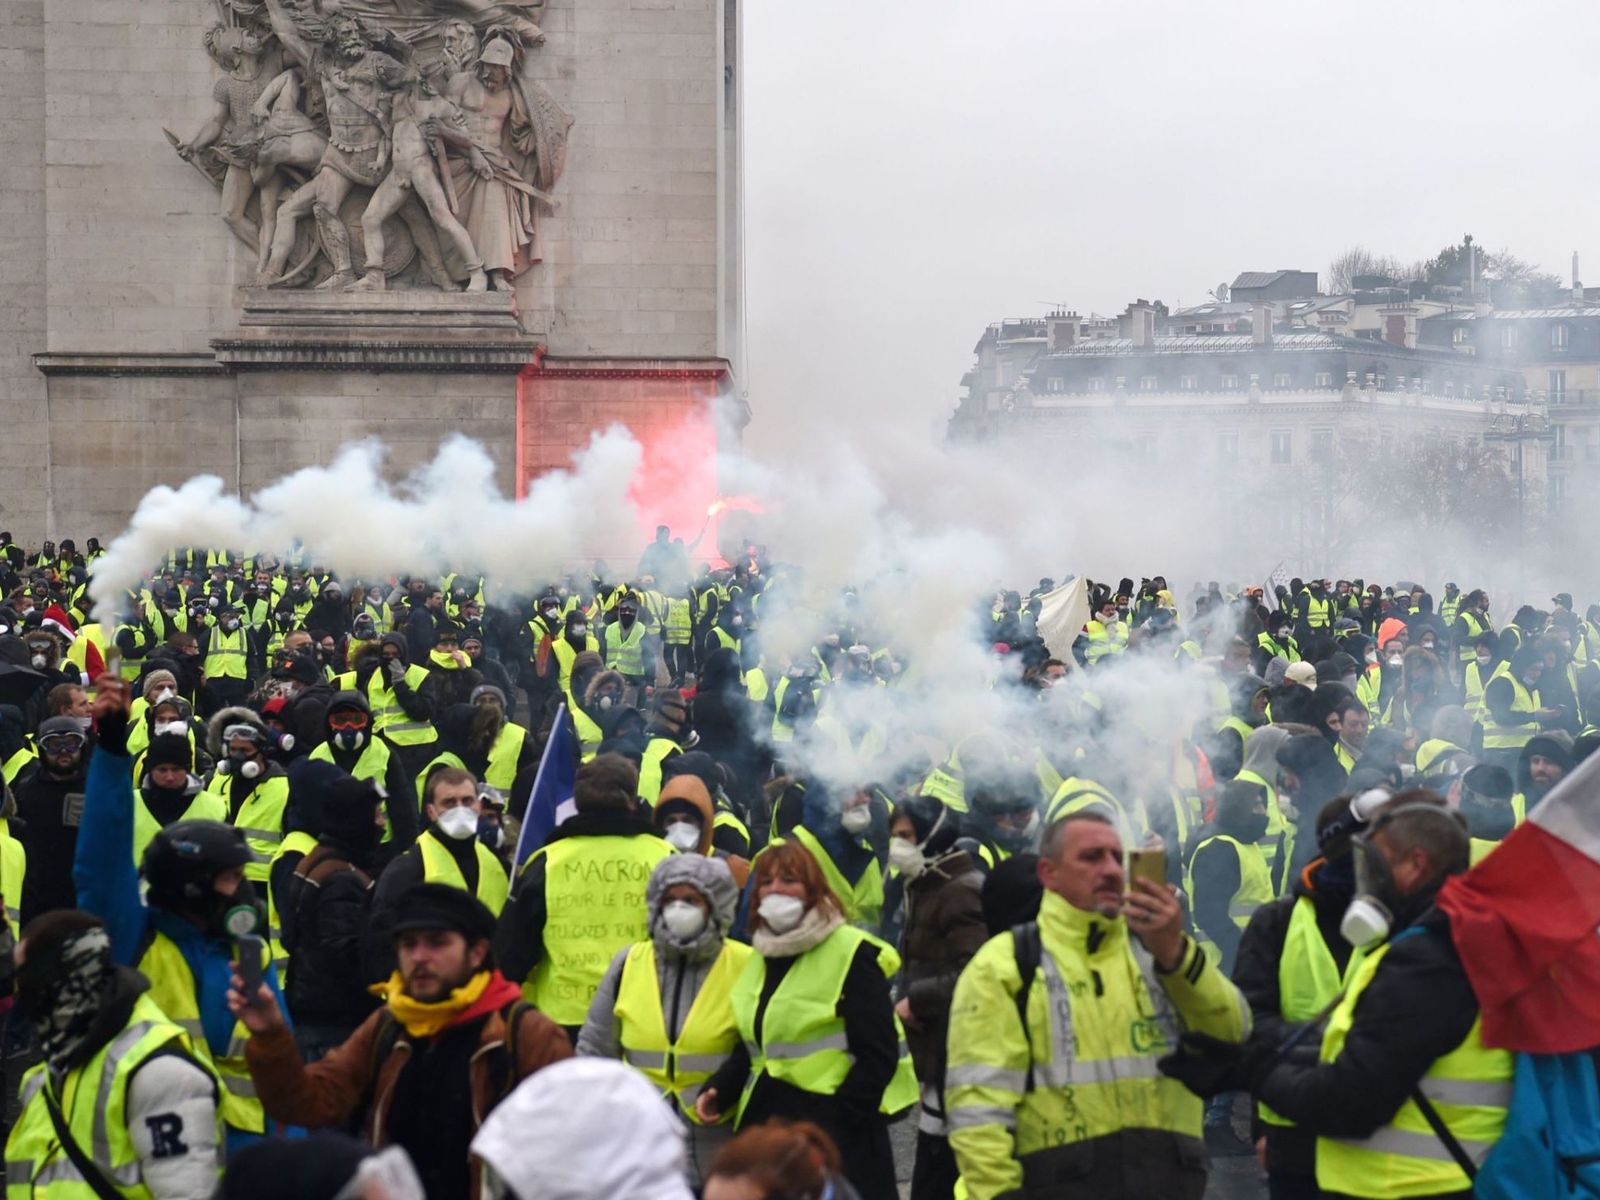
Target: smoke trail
<point>448,516</point>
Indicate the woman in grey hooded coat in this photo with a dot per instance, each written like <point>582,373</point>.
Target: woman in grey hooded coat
<point>664,1005</point>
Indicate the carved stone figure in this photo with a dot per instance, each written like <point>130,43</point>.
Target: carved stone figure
<point>421,116</point>
<point>521,133</point>
<point>249,63</point>
<point>384,122</point>
<point>356,80</point>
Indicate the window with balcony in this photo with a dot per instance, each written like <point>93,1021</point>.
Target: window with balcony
<point>1149,383</point>
<point>1508,337</point>
<point>1228,446</point>
<point>1557,486</point>
<point>1097,384</point>
<point>1558,386</point>
<point>1055,384</point>
<point>1560,335</point>
<point>1282,446</point>
<point>1324,379</point>
<point>1189,383</point>
<point>1229,382</point>
<point>1282,380</point>
<point>1558,449</point>
<point>1458,336</point>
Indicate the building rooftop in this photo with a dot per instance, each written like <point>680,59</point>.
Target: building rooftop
<point>1257,279</point>
<point>1518,314</point>
<point>1203,343</point>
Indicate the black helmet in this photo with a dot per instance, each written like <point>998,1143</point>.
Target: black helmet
<point>183,859</point>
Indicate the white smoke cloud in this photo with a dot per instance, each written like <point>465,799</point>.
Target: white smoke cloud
<point>448,516</point>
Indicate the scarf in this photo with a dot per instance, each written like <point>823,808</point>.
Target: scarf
<point>65,993</point>
<point>484,993</point>
<point>813,928</point>
<point>445,662</point>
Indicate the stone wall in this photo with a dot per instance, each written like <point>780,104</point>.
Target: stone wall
<point>24,449</point>
<point>112,248</point>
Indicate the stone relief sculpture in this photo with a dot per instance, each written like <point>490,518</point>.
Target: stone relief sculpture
<point>407,131</point>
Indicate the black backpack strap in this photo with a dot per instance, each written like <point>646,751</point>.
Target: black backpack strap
<point>1442,1132</point>
<point>99,1183</point>
<point>1029,951</point>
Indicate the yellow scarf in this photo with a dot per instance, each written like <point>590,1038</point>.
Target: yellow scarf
<point>424,1020</point>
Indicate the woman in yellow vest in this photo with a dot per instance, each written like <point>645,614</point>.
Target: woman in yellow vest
<point>819,1037</point>
<point>665,1005</point>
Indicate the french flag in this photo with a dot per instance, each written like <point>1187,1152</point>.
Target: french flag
<point>1525,922</point>
<point>551,801</point>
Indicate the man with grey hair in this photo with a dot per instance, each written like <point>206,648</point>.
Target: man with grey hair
<point>1404,1094</point>
<point>1055,1028</point>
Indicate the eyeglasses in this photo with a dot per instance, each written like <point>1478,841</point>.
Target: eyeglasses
<point>347,720</point>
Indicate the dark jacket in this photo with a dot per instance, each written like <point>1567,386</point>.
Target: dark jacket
<point>519,936</point>
<point>1418,1007</point>
<point>49,811</point>
<point>727,720</point>
<point>944,927</point>
<point>1290,1150</point>
<point>850,1115</point>
<point>400,875</point>
<point>323,913</point>
<point>352,1082</point>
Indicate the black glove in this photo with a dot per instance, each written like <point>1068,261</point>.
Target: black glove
<point>1208,1066</point>
<point>111,732</point>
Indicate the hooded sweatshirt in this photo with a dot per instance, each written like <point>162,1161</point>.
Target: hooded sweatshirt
<point>691,790</point>
<point>681,968</point>
<point>585,1129</point>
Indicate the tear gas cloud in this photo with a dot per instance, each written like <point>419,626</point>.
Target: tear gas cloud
<point>925,535</point>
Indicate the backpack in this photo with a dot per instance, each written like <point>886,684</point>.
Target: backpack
<point>1550,1149</point>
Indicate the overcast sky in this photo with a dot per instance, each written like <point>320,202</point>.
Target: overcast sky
<point>918,168</point>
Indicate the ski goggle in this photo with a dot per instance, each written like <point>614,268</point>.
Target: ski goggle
<point>62,743</point>
<point>347,719</point>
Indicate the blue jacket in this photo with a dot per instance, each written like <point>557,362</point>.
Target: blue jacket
<point>108,886</point>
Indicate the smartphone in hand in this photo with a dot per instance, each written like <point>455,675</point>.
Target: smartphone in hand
<point>1148,863</point>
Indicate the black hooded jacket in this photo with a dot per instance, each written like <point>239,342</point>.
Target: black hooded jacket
<point>1255,972</point>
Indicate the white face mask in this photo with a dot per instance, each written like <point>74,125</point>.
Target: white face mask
<point>459,823</point>
<point>1484,660</point>
<point>682,919</point>
<point>906,858</point>
<point>683,835</point>
<point>856,820</point>
<point>1396,661</point>
<point>781,913</point>
<point>162,694</point>
<point>177,727</point>
<point>1366,922</point>
<point>40,661</point>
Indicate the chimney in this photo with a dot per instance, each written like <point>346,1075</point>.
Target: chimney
<point>1400,325</point>
<point>1577,284</point>
<point>1138,324</point>
<point>1062,328</point>
<point>1261,323</point>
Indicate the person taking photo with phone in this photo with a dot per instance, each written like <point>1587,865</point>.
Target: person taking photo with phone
<point>1089,996</point>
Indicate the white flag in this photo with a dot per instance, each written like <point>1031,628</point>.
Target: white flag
<point>1062,615</point>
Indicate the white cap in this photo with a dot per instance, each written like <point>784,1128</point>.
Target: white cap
<point>1303,673</point>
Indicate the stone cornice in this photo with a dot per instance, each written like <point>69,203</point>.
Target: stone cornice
<point>88,363</point>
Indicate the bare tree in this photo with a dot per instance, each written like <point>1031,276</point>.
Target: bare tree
<point>1358,260</point>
